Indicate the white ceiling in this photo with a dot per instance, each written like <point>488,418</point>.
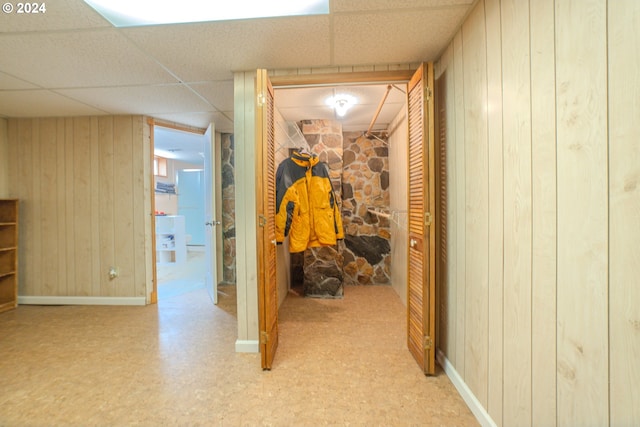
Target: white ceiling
<point>69,61</point>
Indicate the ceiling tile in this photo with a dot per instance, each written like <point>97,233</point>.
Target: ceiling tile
<point>219,93</point>
<point>212,51</point>
<point>140,99</point>
<point>42,103</point>
<point>59,15</point>
<point>85,59</point>
<point>403,37</point>
<point>8,82</point>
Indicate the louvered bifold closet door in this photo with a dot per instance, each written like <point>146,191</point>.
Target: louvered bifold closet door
<point>268,290</point>
<point>421,287</point>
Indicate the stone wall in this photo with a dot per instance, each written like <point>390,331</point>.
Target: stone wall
<point>365,187</point>
<point>359,169</point>
<point>323,276</point>
<point>228,210</point>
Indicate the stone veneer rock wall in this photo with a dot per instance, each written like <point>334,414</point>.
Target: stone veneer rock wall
<point>359,169</point>
<point>323,276</point>
<point>228,210</point>
<point>365,185</point>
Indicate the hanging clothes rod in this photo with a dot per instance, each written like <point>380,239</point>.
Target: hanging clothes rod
<point>375,116</point>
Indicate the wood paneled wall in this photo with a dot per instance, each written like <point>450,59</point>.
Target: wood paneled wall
<point>539,100</point>
<point>84,189</point>
<point>398,202</point>
<point>246,230</point>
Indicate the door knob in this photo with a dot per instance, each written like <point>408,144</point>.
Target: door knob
<point>212,223</point>
<point>413,243</point>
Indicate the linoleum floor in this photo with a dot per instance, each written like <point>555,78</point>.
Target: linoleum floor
<point>340,362</point>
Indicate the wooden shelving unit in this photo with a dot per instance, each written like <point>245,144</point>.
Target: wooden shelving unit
<point>8,254</point>
<point>170,239</point>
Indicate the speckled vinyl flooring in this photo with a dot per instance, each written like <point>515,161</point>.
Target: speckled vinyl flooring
<point>340,362</point>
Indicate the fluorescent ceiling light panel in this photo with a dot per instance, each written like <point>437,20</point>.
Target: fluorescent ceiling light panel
<point>132,13</point>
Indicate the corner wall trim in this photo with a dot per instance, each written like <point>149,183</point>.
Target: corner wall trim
<point>467,395</point>
<point>62,300</point>
<point>247,346</point>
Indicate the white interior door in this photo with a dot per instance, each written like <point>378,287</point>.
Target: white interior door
<point>211,279</point>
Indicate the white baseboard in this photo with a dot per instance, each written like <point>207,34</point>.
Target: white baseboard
<point>61,300</point>
<point>470,399</point>
<point>247,346</point>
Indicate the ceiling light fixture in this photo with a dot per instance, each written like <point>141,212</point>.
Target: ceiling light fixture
<point>132,13</point>
<point>341,103</point>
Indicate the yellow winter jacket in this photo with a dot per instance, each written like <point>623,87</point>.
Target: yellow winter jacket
<point>307,209</point>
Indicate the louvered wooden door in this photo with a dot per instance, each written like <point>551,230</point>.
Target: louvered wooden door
<point>421,275</point>
<point>266,176</point>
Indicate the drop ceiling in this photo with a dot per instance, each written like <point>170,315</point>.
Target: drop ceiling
<point>70,61</point>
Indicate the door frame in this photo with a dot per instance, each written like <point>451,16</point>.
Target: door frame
<point>152,123</point>
<point>337,79</point>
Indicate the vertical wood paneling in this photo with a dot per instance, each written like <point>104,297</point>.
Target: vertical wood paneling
<point>452,235</point>
<point>141,205</point>
<point>69,287</point>
<point>49,204</point>
<point>108,208</point>
<point>123,196</point>
<point>477,205</point>
<point>241,86</point>
<point>65,175</point>
<point>398,164</point>
<point>97,273</point>
<point>496,210</point>
<point>460,202</point>
<point>26,256</point>
<point>61,204</point>
<point>13,156</point>
<point>543,152</point>
<point>569,164</point>
<point>517,212</point>
<point>624,211</point>
<point>149,217</point>
<point>246,263</point>
<point>581,73</point>
<point>37,263</point>
<point>81,213</point>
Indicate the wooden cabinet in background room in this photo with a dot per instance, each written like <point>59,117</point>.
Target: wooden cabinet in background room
<point>8,254</point>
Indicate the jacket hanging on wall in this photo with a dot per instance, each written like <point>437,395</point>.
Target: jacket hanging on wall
<point>307,209</point>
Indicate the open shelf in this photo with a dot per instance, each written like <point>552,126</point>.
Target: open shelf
<point>8,254</point>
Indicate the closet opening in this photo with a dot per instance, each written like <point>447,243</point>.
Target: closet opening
<point>416,149</point>
<point>364,149</point>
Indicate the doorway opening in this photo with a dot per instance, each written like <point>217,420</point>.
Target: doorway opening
<point>418,155</point>
<point>180,199</point>
<point>355,146</point>
<point>364,149</point>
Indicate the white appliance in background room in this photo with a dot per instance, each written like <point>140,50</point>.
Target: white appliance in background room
<point>190,184</point>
